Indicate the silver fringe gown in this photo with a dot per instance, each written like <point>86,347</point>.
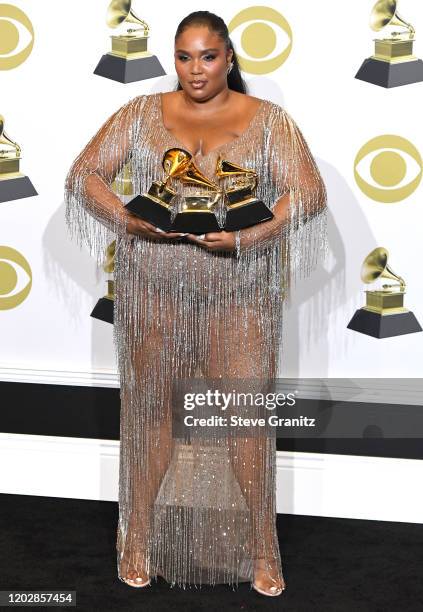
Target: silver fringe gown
<point>199,512</point>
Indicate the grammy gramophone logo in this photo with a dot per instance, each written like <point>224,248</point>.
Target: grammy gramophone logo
<point>129,59</point>
<point>384,314</point>
<point>13,183</point>
<point>393,62</point>
<point>103,310</point>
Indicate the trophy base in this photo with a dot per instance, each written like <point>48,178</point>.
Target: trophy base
<point>129,70</point>
<point>16,188</point>
<point>247,215</point>
<point>384,326</point>
<point>386,74</point>
<point>103,310</point>
<point>195,223</point>
<point>151,211</point>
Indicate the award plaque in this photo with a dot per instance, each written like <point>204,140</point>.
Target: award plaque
<point>156,205</point>
<point>393,63</point>
<point>384,314</point>
<point>242,207</point>
<point>13,184</point>
<point>197,215</point>
<point>103,310</point>
<point>129,60</point>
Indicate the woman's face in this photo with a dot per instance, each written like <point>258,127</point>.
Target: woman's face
<point>201,62</point>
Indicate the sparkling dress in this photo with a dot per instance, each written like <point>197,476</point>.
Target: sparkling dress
<point>199,511</point>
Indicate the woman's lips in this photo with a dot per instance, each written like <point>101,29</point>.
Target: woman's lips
<point>198,84</point>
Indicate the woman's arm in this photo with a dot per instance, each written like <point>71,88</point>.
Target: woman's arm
<point>294,174</point>
<point>94,213</point>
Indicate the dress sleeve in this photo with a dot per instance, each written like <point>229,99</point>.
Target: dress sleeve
<point>300,233</point>
<point>94,214</point>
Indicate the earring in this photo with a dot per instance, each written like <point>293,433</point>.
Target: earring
<point>231,65</point>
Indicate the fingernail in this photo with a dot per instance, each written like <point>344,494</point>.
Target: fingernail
<point>158,229</point>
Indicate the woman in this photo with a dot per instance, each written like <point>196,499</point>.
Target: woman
<point>198,306</point>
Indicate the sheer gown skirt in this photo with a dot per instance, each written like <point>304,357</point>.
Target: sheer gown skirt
<point>202,510</point>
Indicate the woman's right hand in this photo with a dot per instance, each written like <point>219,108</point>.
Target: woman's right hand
<point>139,227</point>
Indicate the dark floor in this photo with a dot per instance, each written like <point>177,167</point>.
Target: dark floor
<point>329,564</point>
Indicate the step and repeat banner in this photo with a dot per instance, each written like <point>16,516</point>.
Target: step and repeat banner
<point>352,80</point>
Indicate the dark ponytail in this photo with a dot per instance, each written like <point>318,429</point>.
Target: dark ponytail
<point>217,25</point>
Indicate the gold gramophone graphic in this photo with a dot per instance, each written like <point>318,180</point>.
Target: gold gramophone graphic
<point>157,206</point>
<point>122,184</point>
<point>129,60</point>
<point>103,310</point>
<point>393,63</point>
<point>198,209</point>
<point>384,314</point>
<point>242,207</point>
<point>13,184</point>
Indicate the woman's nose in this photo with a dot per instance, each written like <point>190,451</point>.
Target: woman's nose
<point>196,67</point>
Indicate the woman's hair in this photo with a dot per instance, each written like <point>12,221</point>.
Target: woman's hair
<point>217,25</point>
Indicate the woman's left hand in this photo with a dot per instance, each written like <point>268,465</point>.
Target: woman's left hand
<point>215,241</point>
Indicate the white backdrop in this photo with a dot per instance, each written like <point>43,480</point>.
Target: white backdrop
<point>53,104</point>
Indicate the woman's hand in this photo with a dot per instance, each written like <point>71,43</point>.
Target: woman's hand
<point>139,227</point>
<point>215,241</point>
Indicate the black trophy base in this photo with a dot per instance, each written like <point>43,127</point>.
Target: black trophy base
<point>247,215</point>
<point>150,211</point>
<point>195,223</point>
<point>384,326</point>
<point>103,310</point>
<point>389,75</point>
<point>128,71</point>
<point>16,188</point>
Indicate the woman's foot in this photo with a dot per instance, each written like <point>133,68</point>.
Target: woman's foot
<point>137,579</point>
<point>267,579</point>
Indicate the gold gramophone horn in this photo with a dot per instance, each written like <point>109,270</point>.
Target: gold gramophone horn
<point>227,168</point>
<point>119,11</point>
<point>385,13</point>
<point>4,139</point>
<point>376,266</point>
<point>179,164</point>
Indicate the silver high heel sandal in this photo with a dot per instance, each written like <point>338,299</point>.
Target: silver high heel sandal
<point>137,582</point>
<point>274,589</point>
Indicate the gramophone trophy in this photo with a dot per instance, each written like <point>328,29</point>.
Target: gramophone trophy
<point>129,60</point>
<point>393,63</point>
<point>242,207</point>
<point>156,205</point>
<point>384,314</point>
<point>13,184</point>
<point>103,310</point>
<point>198,209</point>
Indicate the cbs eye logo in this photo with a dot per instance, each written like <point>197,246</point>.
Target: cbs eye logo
<point>15,31</point>
<point>14,288</point>
<point>259,39</point>
<point>388,168</point>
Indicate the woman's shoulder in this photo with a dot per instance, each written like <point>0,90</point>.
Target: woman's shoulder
<point>137,103</point>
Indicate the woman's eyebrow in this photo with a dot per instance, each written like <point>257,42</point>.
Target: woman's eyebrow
<point>204,50</point>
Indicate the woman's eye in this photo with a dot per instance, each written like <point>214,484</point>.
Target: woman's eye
<point>182,58</point>
<point>209,58</point>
